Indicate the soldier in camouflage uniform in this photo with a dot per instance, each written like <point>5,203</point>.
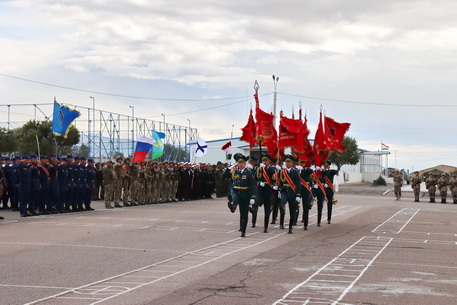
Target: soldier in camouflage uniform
<point>155,183</point>
<point>442,186</point>
<point>453,188</point>
<point>175,183</point>
<point>430,183</point>
<point>108,183</point>
<point>398,181</point>
<point>118,179</point>
<point>161,183</point>
<point>134,184</point>
<point>416,185</point>
<point>141,184</point>
<point>149,176</point>
<point>127,180</point>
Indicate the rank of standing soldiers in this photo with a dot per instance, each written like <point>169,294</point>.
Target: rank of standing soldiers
<point>275,186</point>
<point>45,185</point>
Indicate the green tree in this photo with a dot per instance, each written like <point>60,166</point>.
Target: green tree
<point>82,151</point>
<point>350,156</point>
<point>8,141</point>
<point>49,143</point>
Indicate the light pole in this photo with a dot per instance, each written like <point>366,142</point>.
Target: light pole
<point>133,128</point>
<point>163,122</point>
<point>275,84</point>
<point>92,138</point>
<point>189,122</point>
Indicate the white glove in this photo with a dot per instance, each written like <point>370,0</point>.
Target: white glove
<point>249,166</point>
<point>284,166</point>
<point>299,167</point>
<point>298,199</point>
<point>326,185</point>
<point>279,195</point>
<point>262,165</point>
<point>312,167</point>
<point>318,168</point>
<point>316,186</point>
<point>262,184</point>
<point>278,167</point>
<point>275,187</point>
<point>252,201</point>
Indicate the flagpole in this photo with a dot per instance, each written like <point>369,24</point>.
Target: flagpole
<point>38,145</point>
<point>231,137</point>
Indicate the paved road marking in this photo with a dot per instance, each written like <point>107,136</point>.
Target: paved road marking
<point>397,222</point>
<point>318,283</point>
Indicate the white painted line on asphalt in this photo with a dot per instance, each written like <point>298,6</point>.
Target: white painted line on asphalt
<point>28,286</point>
<point>301,291</point>
<point>398,221</point>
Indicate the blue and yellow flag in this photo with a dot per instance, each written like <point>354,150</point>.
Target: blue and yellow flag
<point>62,118</point>
<point>157,147</point>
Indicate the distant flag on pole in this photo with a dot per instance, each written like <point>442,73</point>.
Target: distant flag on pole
<point>384,146</point>
<point>62,119</point>
<point>142,147</point>
<point>202,148</point>
<point>158,146</point>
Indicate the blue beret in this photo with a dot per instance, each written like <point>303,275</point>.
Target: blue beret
<point>69,156</point>
<point>42,157</point>
<point>82,159</point>
<point>25,157</point>
<point>51,156</point>
<point>32,156</point>
<point>77,158</point>
<point>7,159</point>
<point>90,160</point>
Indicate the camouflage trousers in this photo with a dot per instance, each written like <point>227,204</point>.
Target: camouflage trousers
<point>109,193</point>
<point>443,193</point>
<point>141,191</point>
<point>174,189</point>
<point>155,191</point>
<point>397,189</point>
<point>134,185</point>
<point>431,193</point>
<point>148,196</point>
<point>117,192</point>
<point>416,193</point>
<point>126,197</point>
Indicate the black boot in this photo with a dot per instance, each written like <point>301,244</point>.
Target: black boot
<point>266,220</point>
<point>290,226</point>
<point>281,221</point>
<point>241,223</point>
<point>305,228</point>
<point>244,224</point>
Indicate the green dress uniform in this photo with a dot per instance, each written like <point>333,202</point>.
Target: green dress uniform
<point>290,190</point>
<point>264,177</point>
<point>416,185</point>
<point>306,194</point>
<point>442,186</point>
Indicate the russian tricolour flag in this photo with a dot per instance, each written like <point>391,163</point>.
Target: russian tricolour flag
<point>142,147</point>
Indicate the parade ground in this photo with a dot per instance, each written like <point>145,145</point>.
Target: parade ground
<point>376,251</point>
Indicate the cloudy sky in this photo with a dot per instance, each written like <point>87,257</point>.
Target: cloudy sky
<point>388,67</point>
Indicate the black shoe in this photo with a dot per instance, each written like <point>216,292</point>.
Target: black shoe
<point>243,234</point>
<point>24,215</point>
<point>318,224</point>
<point>273,222</point>
<point>281,227</point>
<point>290,231</point>
<point>134,204</point>
<point>2,217</point>
<point>127,205</point>
<point>329,222</point>
<point>265,230</point>
<point>253,225</point>
<point>118,206</point>
<point>305,228</point>
<point>33,213</point>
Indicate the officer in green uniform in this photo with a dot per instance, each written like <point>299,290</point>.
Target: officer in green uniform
<point>243,191</point>
<point>306,192</point>
<point>290,187</point>
<point>264,178</point>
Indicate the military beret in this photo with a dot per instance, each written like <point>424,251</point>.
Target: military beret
<point>59,159</point>
<point>7,159</point>
<point>32,156</point>
<point>239,157</point>
<point>290,158</point>
<point>77,158</point>
<point>90,160</point>
<point>82,159</point>
<point>25,157</point>
<point>42,157</point>
<point>69,156</point>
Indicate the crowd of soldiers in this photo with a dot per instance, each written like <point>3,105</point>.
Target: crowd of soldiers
<point>275,187</point>
<point>45,185</point>
<point>443,184</point>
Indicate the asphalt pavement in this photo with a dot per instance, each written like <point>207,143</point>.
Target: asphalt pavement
<point>376,251</point>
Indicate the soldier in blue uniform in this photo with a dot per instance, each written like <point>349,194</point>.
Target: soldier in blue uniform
<point>306,192</point>
<point>25,182</point>
<point>8,189</point>
<point>82,181</point>
<point>53,183</point>
<point>70,201</point>
<point>43,202</point>
<point>62,174</point>
<point>290,188</point>
<point>243,191</point>
<point>15,184</point>
<point>90,182</point>
<point>35,187</point>
<point>329,174</point>
<point>265,182</point>
<point>78,191</point>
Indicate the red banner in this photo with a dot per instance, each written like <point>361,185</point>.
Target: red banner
<point>334,132</point>
<point>265,128</point>
<point>290,133</point>
<point>249,131</point>
<point>320,147</point>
